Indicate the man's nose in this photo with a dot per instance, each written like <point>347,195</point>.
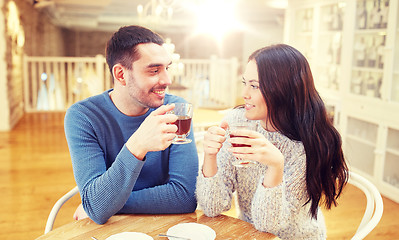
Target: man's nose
<point>165,79</point>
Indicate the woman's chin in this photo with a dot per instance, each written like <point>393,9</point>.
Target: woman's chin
<point>249,116</point>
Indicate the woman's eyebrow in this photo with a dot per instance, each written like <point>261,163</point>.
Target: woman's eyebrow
<point>252,80</point>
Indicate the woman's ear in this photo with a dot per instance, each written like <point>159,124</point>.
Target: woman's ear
<point>118,72</point>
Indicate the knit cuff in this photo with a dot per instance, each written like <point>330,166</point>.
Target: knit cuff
<point>129,160</point>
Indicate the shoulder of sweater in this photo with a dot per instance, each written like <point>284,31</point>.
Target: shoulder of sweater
<point>235,113</point>
<point>289,143</point>
<point>169,98</point>
<point>92,99</point>
<point>90,104</point>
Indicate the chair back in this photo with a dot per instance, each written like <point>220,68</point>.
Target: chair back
<point>56,208</point>
<point>374,207</point>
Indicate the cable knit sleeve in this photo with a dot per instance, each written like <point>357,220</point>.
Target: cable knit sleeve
<point>281,205</point>
<point>214,194</point>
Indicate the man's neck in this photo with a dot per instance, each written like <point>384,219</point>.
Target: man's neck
<point>126,108</point>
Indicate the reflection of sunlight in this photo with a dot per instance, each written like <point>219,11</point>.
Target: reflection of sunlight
<point>280,4</point>
<point>216,17</point>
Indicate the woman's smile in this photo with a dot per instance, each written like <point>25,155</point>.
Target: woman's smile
<point>249,106</point>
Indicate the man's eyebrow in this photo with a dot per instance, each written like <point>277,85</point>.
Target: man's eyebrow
<point>158,64</point>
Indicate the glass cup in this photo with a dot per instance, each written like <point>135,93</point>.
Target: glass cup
<point>248,125</point>
<point>184,113</point>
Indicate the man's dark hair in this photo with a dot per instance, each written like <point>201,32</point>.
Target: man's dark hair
<point>122,47</point>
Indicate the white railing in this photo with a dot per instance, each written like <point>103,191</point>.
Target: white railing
<point>209,82</point>
<point>55,83</point>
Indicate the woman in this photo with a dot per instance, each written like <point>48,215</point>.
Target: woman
<point>297,150</point>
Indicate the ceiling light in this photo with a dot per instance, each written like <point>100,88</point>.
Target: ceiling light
<point>217,17</point>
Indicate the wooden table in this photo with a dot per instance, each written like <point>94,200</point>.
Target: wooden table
<point>225,227</point>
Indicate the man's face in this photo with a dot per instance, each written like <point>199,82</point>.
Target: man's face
<point>149,78</point>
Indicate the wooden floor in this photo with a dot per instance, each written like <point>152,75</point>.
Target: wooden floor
<point>36,170</point>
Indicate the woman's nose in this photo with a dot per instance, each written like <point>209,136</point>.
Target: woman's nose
<point>244,93</point>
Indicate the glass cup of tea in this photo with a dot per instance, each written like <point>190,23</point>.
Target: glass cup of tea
<point>248,125</point>
<point>184,113</point>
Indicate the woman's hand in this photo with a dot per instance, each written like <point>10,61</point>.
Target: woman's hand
<point>213,141</point>
<point>214,138</point>
<point>262,151</point>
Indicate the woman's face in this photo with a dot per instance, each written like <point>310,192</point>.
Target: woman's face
<point>255,104</point>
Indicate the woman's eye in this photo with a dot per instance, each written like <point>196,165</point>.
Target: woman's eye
<point>252,85</point>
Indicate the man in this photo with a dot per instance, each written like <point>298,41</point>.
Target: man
<point>120,140</point>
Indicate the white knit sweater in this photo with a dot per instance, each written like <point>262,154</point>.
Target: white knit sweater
<point>279,210</point>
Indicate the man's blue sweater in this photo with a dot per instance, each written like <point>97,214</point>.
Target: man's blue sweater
<point>112,180</point>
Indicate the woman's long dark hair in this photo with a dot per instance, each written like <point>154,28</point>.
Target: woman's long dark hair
<point>295,108</point>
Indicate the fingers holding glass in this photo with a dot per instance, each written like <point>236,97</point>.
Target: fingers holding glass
<point>184,113</point>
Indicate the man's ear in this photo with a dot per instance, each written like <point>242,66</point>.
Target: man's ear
<point>119,74</point>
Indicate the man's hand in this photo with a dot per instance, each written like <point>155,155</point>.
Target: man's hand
<point>80,213</point>
<point>154,134</point>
